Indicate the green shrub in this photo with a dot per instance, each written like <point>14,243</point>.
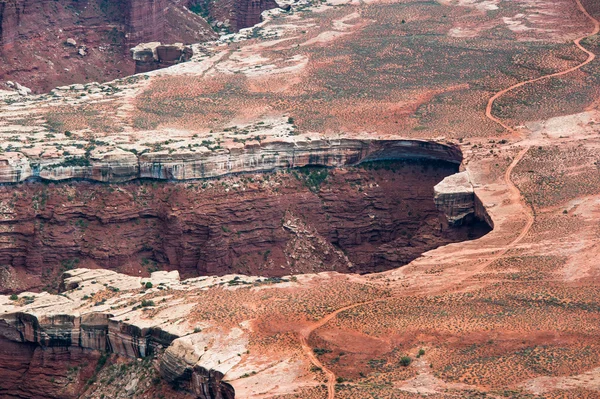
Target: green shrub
<point>148,284</point>
<point>405,361</point>
<point>14,297</point>
<point>76,161</point>
<point>146,303</point>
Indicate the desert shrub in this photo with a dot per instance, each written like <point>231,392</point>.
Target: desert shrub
<point>146,303</point>
<point>321,351</point>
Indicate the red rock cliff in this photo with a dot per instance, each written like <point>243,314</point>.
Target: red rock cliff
<point>247,12</point>
<point>145,20</point>
<point>348,220</point>
<point>237,14</point>
<point>33,37</point>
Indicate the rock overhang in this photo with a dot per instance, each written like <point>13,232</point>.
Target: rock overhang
<point>116,165</point>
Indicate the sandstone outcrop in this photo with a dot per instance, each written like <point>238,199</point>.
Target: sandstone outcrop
<point>49,336</point>
<point>154,55</point>
<point>199,362</point>
<point>116,165</point>
<point>456,200</point>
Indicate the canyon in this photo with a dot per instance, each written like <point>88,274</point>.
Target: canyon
<point>51,349</point>
<point>350,206</point>
<point>372,212</point>
<point>350,200</point>
<point>271,209</point>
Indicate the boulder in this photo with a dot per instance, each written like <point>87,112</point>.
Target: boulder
<point>155,55</point>
<point>22,90</point>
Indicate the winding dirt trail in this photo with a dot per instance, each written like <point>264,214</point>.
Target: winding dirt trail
<point>305,333</point>
<point>515,196</point>
<point>591,57</point>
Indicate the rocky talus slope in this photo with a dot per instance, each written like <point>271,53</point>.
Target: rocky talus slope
<point>47,43</point>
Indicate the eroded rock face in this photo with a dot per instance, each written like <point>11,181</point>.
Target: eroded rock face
<point>32,371</point>
<point>233,15</point>
<point>90,38</point>
<point>50,344</point>
<point>248,12</point>
<point>353,219</point>
<point>456,200</point>
<point>115,165</point>
<point>199,362</point>
<point>145,20</point>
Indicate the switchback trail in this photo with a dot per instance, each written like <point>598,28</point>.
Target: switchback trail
<point>515,195</point>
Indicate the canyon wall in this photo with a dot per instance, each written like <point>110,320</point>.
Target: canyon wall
<point>232,15</point>
<point>51,345</point>
<point>30,370</point>
<point>145,20</point>
<point>48,43</point>
<point>117,165</point>
<point>353,219</point>
<point>248,12</point>
<point>366,218</point>
<point>457,202</point>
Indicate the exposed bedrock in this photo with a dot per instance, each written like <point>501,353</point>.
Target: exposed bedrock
<point>117,165</point>
<point>50,345</point>
<point>155,55</point>
<point>39,39</point>
<point>198,363</point>
<point>31,370</point>
<point>369,218</point>
<point>233,15</point>
<point>248,12</point>
<point>456,200</point>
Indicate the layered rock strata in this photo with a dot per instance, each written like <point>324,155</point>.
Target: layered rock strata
<point>233,15</point>
<point>48,43</point>
<point>51,336</point>
<point>377,216</point>
<point>117,165</point>
<point>456,200</point>
<point>248,12</point>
